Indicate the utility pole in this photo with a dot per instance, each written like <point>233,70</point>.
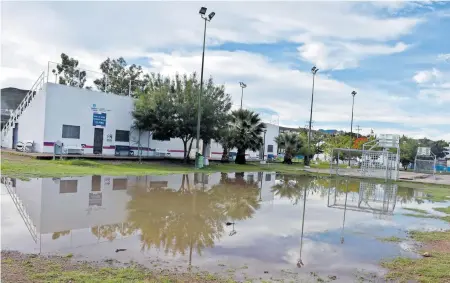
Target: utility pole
<point>358,129</point>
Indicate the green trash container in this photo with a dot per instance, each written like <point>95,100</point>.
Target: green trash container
<point>200,161</point>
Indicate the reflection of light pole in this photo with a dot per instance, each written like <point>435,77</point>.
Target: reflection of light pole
<point>313,71</point>
<point>264,144</point>
<point>207,19</point>
<point>242,86</point>
<point>351,127</point>
<point>300,262</point>
<point>345,210</point>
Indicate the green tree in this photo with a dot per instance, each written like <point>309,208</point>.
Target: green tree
<point>438,148</point>
<point>118,78</point>
<point>291,143</point>
<point>246,130</point>
<point>408,151</point>
<point>168,108</point>
<point>68,72</point>
<point>336,141</point>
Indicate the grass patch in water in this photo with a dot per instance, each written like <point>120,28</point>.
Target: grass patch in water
<point>443,218</point>
<point>416,210</point>
<point>443,209</point>
<point>427,269</point>
<point>392,239</point>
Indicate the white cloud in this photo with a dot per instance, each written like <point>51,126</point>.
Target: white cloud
<point>444,57</point>
<point>342,55</point>
<point>427,76</point>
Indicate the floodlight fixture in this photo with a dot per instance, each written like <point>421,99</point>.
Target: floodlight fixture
<point>202,11</point>
<point>243,85</point>
<point>211,15</point>
<point>354,93</point>
<point>314,70</point>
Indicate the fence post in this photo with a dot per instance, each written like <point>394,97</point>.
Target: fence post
<point>79,78</point>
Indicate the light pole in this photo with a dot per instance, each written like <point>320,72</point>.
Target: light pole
<point>313,71</point>
<point>351,126</point>
<point>208,18</point>
<point>264,144</point>
<point>242,86</point>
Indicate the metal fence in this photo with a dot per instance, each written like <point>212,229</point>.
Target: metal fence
<point>365,163</point>
<point>425,161</point>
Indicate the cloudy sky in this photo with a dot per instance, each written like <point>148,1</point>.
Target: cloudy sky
<point>396,55</point>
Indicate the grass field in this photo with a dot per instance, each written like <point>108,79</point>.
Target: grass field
<point>433,267</point>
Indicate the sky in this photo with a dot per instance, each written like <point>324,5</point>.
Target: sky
<point>395,55</point>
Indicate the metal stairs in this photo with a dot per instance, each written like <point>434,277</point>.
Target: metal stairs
<point>38,85</point>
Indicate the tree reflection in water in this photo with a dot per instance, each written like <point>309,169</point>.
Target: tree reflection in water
<point>56,235</point>
<point>291,187</point>
<point>187,219</point>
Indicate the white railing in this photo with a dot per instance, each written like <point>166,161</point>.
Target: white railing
<point>38,85</point>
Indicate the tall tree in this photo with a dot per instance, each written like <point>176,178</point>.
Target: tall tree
<point>246,130</point>
<point>291,143</point>
<point>118,78</point>
<point>168,108</point>
<point>68,72</point>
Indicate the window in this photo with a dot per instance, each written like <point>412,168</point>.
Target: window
<point>122,136</point>
<point>70,132</point>
<point>120,184</point>
<point>68,186</point>
<point>270,148</point>
<point>268,177</point>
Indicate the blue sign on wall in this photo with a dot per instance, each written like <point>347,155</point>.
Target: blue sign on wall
<point>99,119</point>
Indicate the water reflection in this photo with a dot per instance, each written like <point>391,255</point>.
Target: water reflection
<point>264,220</point>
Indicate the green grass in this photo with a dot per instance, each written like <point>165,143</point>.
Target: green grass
<point>18,267</point>
<point>392,239</point>
<point>427,269</point>
<point>416,210</point>
<point>443,209</point>
<point>29,167</point>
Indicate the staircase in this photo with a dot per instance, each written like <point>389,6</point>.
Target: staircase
<point>38,85</point>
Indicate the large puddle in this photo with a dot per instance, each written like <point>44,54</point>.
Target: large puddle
<point>262,226</point>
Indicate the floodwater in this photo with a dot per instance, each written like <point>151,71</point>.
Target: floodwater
<point>262,226</point>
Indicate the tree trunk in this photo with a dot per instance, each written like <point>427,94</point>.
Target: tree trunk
<point>186,153</point>
<point>240,157</point>
<point>189,151</point>
<point>287,158</point>
<point>225,157</point>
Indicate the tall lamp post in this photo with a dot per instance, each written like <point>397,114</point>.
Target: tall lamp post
<point>242,94</point>
<point>313,71</point>
<point>264,145</point>
<point>208,18</point>
<point>351,127</point>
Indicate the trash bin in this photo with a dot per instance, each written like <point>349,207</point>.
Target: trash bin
<point>199,161</point>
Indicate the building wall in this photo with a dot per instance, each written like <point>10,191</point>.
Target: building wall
<point>62,105</point>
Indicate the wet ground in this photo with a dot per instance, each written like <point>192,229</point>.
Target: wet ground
<point>261,226</point>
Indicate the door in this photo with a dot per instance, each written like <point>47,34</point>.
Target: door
<point>98,141</point>
<point>15,135</point>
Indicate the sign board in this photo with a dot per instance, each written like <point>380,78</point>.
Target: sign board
<point>99,119</point>
<point>388,140</point>
<point>424,151</point>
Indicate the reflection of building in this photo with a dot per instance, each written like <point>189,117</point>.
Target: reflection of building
<point>73,203</point>
<point>371,197</point>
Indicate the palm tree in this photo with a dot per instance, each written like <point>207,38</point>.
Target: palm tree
<point>291,143</point>
<point>246,130</point>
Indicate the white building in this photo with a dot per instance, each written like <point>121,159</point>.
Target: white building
<point>94,121</point>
